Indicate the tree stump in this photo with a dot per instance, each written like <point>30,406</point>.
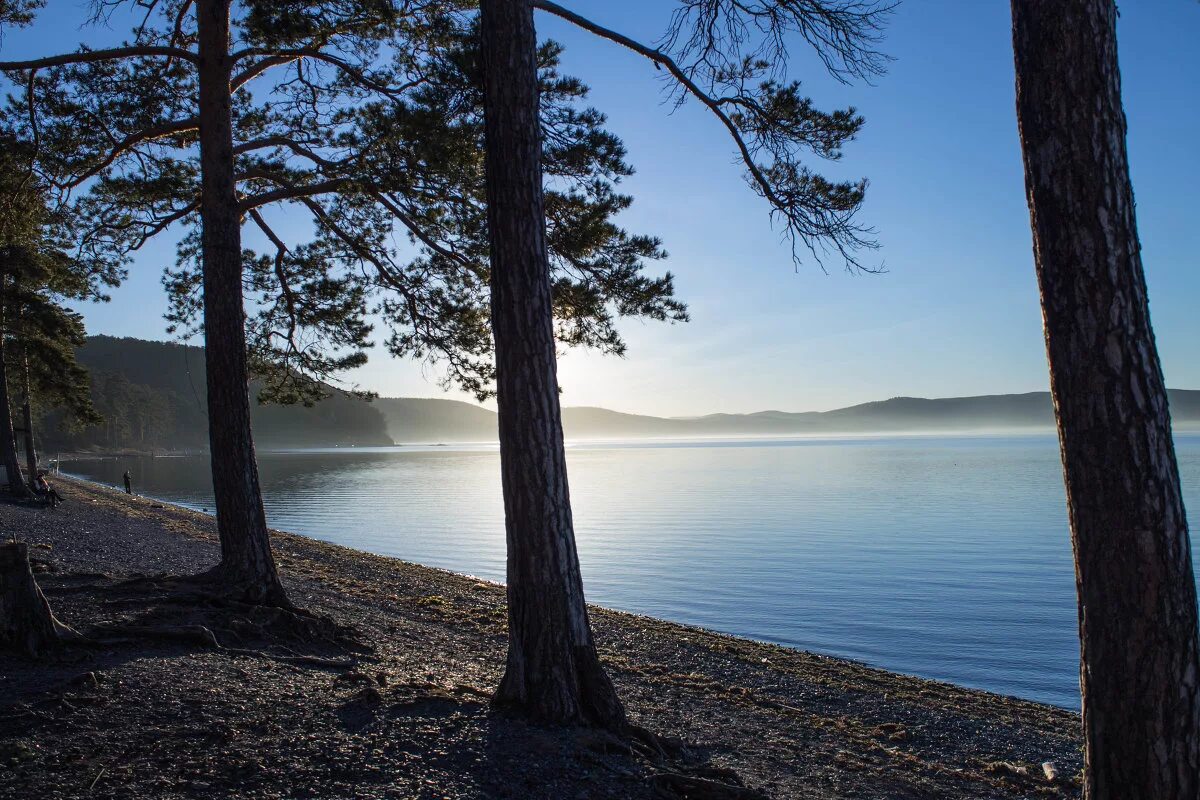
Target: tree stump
<point>27,627</point>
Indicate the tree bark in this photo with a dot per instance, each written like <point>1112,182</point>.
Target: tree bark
<point>8,439</point>
<point>553,672</point>
<point>31,460</point>
<point>247,564</point>
<point>1137,595</point>
<point>26,625</point>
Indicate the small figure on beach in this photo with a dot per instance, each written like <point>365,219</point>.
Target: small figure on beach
<point>128,483</point>
<point>46,491</point>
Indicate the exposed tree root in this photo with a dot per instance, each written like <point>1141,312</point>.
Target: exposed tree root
<point>679,775</point>
<point>199,612</point>
<point>655,747</point>
<point>240,619</point>
<point>679,785</point>
<point>204,637</point>
<point>27,626</point>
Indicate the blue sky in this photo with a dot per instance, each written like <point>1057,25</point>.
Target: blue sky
<point>955,314</point>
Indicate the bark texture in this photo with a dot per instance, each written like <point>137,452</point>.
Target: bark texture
<point>552,672</point>
<point>8,440</point>
<point>247,564</point>
<point>1137,597</point>
<point>26,625</point>
<point>31,459</point>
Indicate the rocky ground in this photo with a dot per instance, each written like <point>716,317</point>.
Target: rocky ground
<point>265,716</point>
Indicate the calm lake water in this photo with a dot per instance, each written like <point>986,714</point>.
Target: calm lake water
<point>945,557</point>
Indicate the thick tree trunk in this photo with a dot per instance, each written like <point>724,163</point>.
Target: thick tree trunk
<point>8,439</point>
<point>1137,595</point>
<point>553,672</point>
<point>246,560</point>
<point>26,625</point>
<point>31,460</point>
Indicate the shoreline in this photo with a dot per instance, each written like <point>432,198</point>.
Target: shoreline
<point>789,722</point>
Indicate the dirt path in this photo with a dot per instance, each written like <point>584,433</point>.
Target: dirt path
<point>171,720</point>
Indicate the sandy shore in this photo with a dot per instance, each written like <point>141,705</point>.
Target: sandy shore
<point>161,719</point>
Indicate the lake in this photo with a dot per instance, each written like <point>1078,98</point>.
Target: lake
<point>944,557</point>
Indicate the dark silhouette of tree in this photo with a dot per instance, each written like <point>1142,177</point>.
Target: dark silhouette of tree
<point>38,336</point>
<point>124,124</point>
<point>46,335</point>
<point>149,128</point>
<point>27,626</point>
<point>552,670</point>
<point>21,218</point>
<point>414,165</point>
<point>1140,670</point>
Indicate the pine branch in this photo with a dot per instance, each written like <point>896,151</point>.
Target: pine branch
<point>809,214</point>
<point>288,192</point>
<point>128,143</point>
<point>277,57</point>
<point>661,59</point>
<point>111,54</point>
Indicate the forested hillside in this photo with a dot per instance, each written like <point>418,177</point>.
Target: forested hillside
<point>152,397</point>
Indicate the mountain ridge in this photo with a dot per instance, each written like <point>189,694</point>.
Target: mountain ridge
<point>1025,411</point>
<point>132,377</point>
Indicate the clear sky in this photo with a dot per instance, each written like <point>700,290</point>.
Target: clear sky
<point>955,314</point>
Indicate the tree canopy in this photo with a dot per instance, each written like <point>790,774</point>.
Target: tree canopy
<point>367,120</point>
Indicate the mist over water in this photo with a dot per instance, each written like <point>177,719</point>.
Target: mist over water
<point>945,557</point>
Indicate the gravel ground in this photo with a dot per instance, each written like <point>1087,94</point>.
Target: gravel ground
<point>150,718</point>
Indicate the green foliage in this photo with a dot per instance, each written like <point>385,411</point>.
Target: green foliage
<point>18,13</point>
<point>732,57</point>
<point>366,119</point>
<point>36,274</point>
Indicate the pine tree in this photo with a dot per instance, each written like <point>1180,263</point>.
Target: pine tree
<point>37,334</point>
<point>1140,655</point>
<point>158,148</point>
<point>46,335</point>
<point>553,671</point>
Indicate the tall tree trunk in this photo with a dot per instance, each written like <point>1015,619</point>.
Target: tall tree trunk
<point>1137,596</point>
<point>246,560</point>
<point>8,439</point>
<point>553,672</point>
<point>31,461</point>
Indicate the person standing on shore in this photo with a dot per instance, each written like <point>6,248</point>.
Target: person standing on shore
<point>128,483</point>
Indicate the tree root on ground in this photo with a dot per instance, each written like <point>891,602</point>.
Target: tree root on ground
<point>269,621</point>
<point>693,787</point>
<point>680,776</point>
<point>202,636</point>
<point>678,772</point>
<point>197,611</point>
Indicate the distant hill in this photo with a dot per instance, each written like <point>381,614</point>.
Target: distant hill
<point>427,420</point>
<point>153,396</point>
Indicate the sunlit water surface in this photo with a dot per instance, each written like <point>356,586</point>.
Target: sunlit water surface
<point>945,557</point>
